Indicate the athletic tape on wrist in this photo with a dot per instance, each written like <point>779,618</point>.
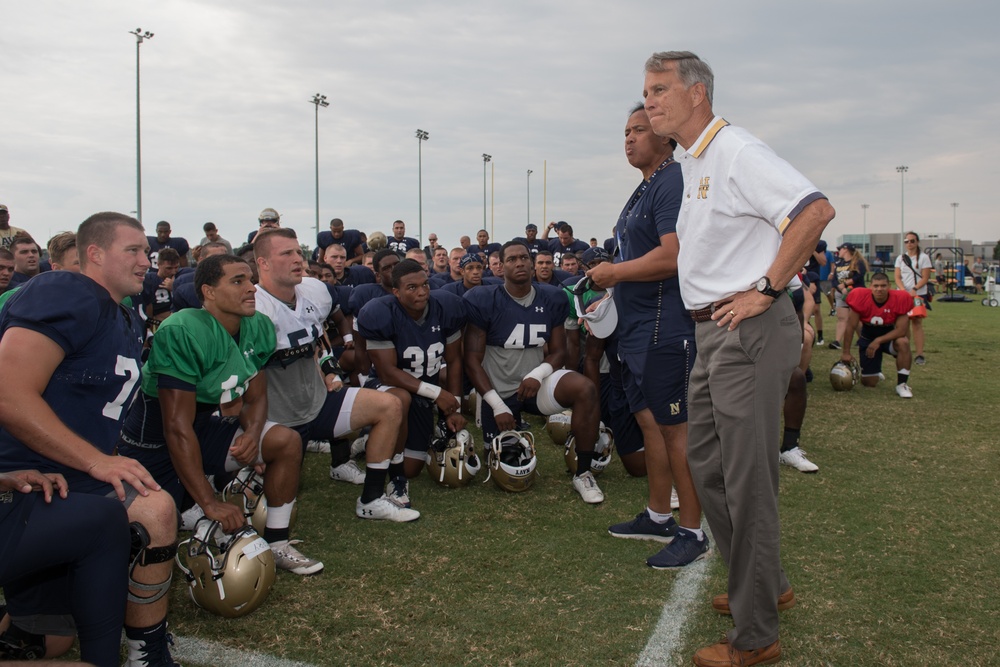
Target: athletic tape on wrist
<point>540,372</point>
<point>495,402</point>
<point>429,391</point>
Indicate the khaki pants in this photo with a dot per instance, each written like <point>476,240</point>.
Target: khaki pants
<point>737,389</point>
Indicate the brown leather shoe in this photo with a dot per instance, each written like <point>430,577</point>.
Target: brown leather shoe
<point>720,603</point>
<point>724,655</point>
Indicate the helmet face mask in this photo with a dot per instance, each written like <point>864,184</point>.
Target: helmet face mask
<point>228,575</point>
<point>844,376</point>
<point>452,461</point>
<point>604,450</point>
<point>558,426</point>
<point>512,461</point>
<point>246,492</point>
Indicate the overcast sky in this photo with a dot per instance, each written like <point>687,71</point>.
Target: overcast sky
<point>846,91</point>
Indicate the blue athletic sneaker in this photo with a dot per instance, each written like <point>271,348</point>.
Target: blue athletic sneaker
<point>684,550</point>
<point>642,527</point>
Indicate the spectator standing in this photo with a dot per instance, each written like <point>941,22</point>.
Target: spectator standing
<point>913,273</point>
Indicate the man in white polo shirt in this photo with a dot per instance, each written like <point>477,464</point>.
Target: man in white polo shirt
<point>748,222</point>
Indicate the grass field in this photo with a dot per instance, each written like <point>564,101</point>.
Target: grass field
<point>892,548</point>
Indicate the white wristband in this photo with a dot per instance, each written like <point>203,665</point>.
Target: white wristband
<point>428,391</point>
<point>348,338</point>
<point>540,372</point>
<point>495,402</point>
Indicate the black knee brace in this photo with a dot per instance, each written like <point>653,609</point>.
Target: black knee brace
<point>141,555</point>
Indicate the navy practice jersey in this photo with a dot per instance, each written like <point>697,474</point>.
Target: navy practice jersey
<point>160,298</point>
<point>533,246</point>
<point>558,249</point>
<point>184,297</point>
<point>516,333</point>
<point>97,378</point>
<point>350,240</point>
<point>176,242</point>
<point>362,294</point>
<point>458,288</point>
<point>341,296</point>
<point>419,344</point>
<point>650,313</point>
<point>511,325</point>
<point>439,280</point>
<point>402,245</point>
<point>487,251</point>
<point>357,275</point>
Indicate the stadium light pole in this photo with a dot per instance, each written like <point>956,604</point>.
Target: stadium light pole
<point>486,158</point>
<point>954,221</point>
<point>140,37</point>
<point>902,169</point>
<point>529,198</point>
<point>864,227</point>
<point>421,138</point>
<point>319,101</point>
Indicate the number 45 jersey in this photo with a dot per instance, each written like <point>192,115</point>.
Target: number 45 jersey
<point>419,344</point>
<point>98,376</point>
<point>516,329</point>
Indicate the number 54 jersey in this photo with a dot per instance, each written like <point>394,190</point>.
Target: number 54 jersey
<point>101,343</point>
<point>419,344</point>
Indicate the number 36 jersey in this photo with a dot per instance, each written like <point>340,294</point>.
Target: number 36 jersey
<point>419,344</point>
<point>516,329</point>
<point>98,376</point>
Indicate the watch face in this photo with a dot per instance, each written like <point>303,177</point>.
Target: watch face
<point>762,284</point>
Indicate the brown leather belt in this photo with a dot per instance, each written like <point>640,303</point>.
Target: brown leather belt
<point>705,314</point>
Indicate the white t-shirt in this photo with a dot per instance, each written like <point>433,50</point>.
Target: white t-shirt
<point>909,277</point>
<point>296,391</point>
<point>739,197</point>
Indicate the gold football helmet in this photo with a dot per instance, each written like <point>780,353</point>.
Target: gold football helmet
<point>246,491</point>
<point>452,462</point>
<point>558,426</point>
<point>512,460</point>
<point>844,376</point>
<point>228,575</point>
<point>604,449</point>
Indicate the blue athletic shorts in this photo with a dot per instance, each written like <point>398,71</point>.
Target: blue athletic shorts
<point>657,379</point>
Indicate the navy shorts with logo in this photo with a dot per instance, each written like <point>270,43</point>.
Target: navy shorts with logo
<point>657,379</point>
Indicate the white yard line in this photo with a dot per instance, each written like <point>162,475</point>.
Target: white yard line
<point>664,644</point>
<point>205,652</point>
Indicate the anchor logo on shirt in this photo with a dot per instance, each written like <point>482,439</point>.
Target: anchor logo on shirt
<point>703,187</point>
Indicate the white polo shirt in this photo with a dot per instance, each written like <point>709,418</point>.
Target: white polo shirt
<point>739,197</point>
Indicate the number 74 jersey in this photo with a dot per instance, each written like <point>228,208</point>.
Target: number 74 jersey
<point>419,344</point>
<point>101,343</point>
